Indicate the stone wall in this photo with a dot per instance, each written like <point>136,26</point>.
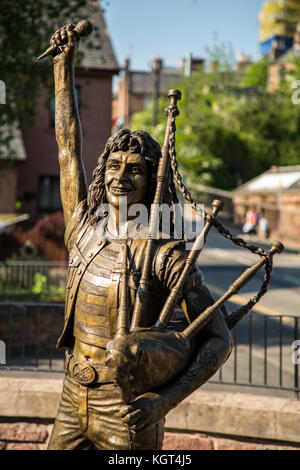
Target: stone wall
<point>200,441</point>
<point>213,420</point>
<point>24,435</point>
<point>30,435</point>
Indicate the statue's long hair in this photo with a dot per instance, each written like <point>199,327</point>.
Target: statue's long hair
<point>138,142</point>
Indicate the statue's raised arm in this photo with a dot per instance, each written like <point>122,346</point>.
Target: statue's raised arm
<point>73,187</point>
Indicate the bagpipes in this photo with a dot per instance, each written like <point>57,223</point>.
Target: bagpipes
<point>144,359</point>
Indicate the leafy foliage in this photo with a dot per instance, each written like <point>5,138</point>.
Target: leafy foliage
<point>40,292</point>
<point>40,284</point>
<point>51,226</point>
<point>231,129</point>
<point>256,75</point>
<point>25,31</point>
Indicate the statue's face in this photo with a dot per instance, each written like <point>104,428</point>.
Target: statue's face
<point>126,174</point>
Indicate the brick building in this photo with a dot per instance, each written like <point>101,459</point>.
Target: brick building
<point>136,90</point>
<point>281,62</point>
<point>276,193</point>
<point>9,172</point>
<point>33,179</point>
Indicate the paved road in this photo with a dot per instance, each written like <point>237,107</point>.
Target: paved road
<point>222,262</point>
<point>268,358</point>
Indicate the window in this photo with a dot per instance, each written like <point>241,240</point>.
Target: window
<point>49,195</point>
<point>282,73</point>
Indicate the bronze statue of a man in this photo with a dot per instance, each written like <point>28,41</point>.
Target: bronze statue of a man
<point>92,413</point>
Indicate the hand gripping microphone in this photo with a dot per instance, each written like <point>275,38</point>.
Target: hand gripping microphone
<point>83,28</point>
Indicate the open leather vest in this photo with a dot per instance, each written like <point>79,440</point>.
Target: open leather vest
<point>92,323</point>
<point>85,251</point>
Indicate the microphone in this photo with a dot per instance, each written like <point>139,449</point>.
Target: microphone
<point>83,28</point>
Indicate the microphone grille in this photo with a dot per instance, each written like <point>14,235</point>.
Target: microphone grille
<point>84,28</point>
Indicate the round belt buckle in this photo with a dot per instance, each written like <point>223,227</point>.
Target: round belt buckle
<point>84,374</point>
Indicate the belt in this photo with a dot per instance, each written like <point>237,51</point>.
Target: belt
<point>86,374</point>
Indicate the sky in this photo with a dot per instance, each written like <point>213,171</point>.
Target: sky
<point>144,29</point>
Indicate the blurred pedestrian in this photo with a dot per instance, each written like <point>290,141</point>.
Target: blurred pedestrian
<point>263,225</point>
<point>251,220</point>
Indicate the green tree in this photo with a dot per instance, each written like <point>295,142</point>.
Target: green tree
<point>256,75</point>
<point>25,30</point>
<point>230,130</point>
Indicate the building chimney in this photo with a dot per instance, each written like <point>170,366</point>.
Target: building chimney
<point>243,61</point>
<point>214,66</point>
<point>187,62</point>
<point>297,37</point>
<point>126,92</point>
<point>276,51</point>
<point>127,64</point>
<point>157,66</point>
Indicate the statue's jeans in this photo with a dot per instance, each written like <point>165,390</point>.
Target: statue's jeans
<point>87,419</point>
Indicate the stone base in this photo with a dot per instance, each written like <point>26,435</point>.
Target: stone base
<point>198,441</point>
<point>24,435</point>
<point>207,420</point>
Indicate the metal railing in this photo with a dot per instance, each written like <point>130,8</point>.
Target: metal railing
<point>22,274</point>
<point>262,354</point>
<point>29,331</point>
